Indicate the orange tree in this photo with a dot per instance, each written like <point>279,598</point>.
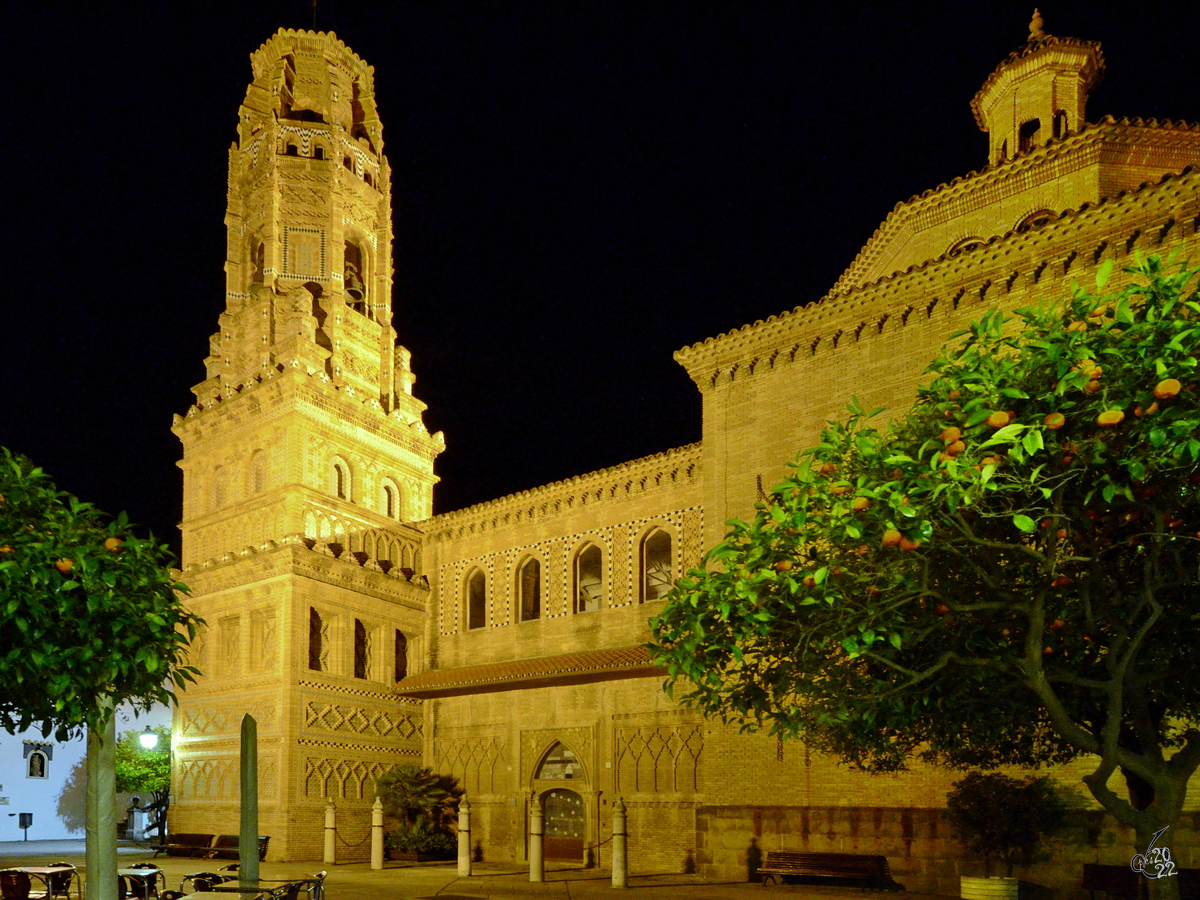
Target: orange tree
<point>1007,574</point>
<point>89,612</point>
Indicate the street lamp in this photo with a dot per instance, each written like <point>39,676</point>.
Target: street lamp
<point>148,739</point>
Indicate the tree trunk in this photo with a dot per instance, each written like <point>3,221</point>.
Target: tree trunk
<point>1166,887</point>
<point>101,846</point>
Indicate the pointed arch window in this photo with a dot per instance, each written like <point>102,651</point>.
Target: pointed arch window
<point>529,587</point>
<point>589,578</point>
<point>477,600</point>
<point>657,565</point>
<point>362,650</point>
<point>559,764</point>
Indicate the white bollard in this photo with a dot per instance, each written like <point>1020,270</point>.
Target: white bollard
<point>537,866</point>
<point>620,861</point>
<point>377,835</point>
<point>330,832</point>
<point>464,838</point>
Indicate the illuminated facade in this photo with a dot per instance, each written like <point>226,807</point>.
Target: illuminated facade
<point>518,624</point>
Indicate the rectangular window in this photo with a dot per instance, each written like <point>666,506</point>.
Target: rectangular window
<point>316,632</point>
<point>362,650</point>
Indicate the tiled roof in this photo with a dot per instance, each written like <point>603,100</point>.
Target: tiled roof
<point>569,668</point>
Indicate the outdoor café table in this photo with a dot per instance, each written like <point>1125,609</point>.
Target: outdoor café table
<point>141,881</point>
<point>44,873</point>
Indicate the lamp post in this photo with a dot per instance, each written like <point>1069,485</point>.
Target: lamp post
<point>148,739</point>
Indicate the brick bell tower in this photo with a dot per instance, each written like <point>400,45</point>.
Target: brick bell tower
<point>304,457</point>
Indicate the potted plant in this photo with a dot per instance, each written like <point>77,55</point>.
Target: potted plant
<point>1002,817</point>
<point>424,804</point>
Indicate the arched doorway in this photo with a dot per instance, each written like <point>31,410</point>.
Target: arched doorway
<point>563,824</point>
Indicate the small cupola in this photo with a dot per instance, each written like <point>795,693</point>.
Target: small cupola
<point>1038,94</point>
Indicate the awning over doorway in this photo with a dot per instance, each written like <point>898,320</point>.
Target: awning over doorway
<point>545,671</point>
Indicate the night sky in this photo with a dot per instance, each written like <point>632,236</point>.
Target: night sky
<point>578,190</point>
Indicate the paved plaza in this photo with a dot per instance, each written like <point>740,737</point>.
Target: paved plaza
<point>402,881</point>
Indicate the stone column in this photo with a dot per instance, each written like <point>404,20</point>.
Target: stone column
<point>537,866</point>
<point>377,834</point>
<point>330,832</point>
<point>620,861</point>
<point>464,837</point>
<point>248,832</point>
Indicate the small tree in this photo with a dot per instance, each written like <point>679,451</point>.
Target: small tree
<point>1001,816</point>
<point>90,615</point>
<point>147,771</point>
<point>1005,575</point>
<point>410,793</point>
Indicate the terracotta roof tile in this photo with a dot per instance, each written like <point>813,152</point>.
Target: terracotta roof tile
<point>569,668</point>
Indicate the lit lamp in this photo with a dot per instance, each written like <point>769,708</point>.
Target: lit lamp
<point>148,739</point>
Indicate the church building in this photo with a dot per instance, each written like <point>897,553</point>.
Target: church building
<point>504,643</point>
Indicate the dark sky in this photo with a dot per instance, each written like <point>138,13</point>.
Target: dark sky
<point>579,190</point>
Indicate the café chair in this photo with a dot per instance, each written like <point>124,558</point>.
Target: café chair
<point>148,886</point>
<point>14,885</point>
<point>60,884</point>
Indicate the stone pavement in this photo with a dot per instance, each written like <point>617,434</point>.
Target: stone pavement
<point>440,881</point>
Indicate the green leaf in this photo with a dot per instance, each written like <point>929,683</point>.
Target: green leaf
<point>1103,271</point>
<point>894,639</point>
<point>1024,523</point>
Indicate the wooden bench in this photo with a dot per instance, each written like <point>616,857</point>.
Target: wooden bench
<point>207,846</point>
<point>869,871</point>
<point>1122,881</point>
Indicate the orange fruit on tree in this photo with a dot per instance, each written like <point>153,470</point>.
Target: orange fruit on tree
<point>1148,411</point>
<point>1167,389</point>
<point>998,419</point>
<point>956,448</point>
<point>1055,421</point>
<point>809,581</point>
<point>906,544</point>
<point>65,565</point>
<point>1110,418</point>
<point>951,434</point>
<point>783,565</point>
<point>1057,624</point>
<point>891,537</point>
<point>7,549</point>
<point>860,503</point>
<point>112,544</point>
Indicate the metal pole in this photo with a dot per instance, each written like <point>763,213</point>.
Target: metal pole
<point>620,859</point>
<point>330,832</point>
<point>377,834</point>
<point>537,866</point>
<point>464,837</point>
<point>248,833</point>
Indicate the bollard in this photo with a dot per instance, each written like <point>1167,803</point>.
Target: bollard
<point>377,835</point>
<point>464,837</point>
<point>537,867</point>
<point>620,862</point>
<point>330,832</point>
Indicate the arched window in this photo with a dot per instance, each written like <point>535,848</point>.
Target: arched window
<point>341,481</point>
<point>1036,220</point>
<point>401,655</point>
<point>1027,137</point>
<point>355,277</point>
<point>589,580</point>
<point>529,588</point>
<point>392,506</point>
<point>559,764</point>
<point>964,244</point>
<point>37,765</point>
<point>318,152</point>
<point>291,149</point>
<point>477,600</point>
<point>348,163</point>
<point>657,566</point>
<point>1060,123</point>
<point>259,262</point>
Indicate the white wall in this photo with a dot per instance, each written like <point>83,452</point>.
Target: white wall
<point>56,801</point>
